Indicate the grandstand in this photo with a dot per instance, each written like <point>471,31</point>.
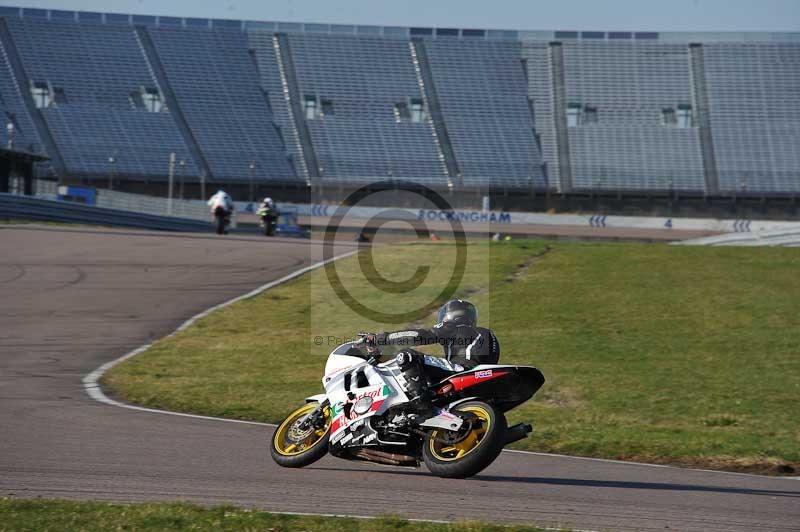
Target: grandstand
<point>297,106</point>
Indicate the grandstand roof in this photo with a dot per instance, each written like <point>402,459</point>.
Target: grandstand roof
<point>392,31</point>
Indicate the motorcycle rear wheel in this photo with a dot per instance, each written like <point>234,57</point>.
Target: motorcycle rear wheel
<point>293,446</point>
<point>464,453</point>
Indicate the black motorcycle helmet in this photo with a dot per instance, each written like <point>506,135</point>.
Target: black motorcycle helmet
<point>459,312</point>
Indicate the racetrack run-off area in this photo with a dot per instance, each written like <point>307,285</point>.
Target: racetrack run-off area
<point>75,299</point>
<point>616,329</point>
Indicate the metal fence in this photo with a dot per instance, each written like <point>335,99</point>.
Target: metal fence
<point>14,206</point>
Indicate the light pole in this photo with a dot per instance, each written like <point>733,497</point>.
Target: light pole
<point>171,179</point>
<point>252,171</point>
<point>318,189</point>
<point>112,162</point>
<point>182,166</point>
<point>10,131</point>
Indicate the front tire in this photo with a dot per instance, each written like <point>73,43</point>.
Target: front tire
<point>294,446</point>
<point>465,453</point>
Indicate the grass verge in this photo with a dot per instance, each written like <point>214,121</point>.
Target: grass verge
<point>55,515</point>
<point>682,355</point>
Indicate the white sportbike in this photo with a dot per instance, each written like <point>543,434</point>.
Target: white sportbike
<point>365,414</point>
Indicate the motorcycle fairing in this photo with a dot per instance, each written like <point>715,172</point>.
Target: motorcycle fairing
<point>357,433</point>
<point>444,420</point>
<point>343,410</point>
<point>506,386</point>
<point>347,387</point>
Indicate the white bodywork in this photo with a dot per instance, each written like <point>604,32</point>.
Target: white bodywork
<point>375,386</point>
<point>220,199</point>
<point>358,391</point>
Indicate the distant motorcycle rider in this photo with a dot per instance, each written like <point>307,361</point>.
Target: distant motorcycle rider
<point>465,346</point>
<point>221,208</point>
<point>222,201</point>
<point>268,214</point>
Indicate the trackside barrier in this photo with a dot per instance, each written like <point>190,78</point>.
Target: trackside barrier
<point>527,218</point>
<point>192,209</point>
<point>198,210</point>
<point>13,206</point>
<point>182,208</point>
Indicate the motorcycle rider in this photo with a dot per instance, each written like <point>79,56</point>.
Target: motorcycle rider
<point>465,346</point>
<point>222,200</point>
<point>221,206</point>
<point>268,214</point>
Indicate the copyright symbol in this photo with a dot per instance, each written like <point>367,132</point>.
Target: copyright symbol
<point>318,340</point>
<point>367,264</point>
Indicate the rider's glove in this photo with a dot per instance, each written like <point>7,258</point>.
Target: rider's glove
<point>370,342</point>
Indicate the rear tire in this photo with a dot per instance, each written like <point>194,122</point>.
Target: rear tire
<point>470,452</point>
<point>289,450</point>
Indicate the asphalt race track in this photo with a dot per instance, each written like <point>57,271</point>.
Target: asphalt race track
<point>73,299</point>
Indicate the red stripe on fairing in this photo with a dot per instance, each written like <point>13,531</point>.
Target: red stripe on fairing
<point>465,381</point>
<point>336,424</point>
<point>339,421</point>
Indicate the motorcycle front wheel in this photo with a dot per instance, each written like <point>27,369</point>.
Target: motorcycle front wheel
<point>296,445</point>
<point>471,449</point>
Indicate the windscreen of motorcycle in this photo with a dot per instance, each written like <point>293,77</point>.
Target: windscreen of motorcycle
<point>339,359</point>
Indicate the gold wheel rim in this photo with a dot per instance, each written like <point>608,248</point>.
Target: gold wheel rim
<point>287,446</point>
<point>449,452</point>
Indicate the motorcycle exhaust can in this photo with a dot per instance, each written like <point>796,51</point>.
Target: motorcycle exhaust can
<point>517,432</point>
<point>382,457</point>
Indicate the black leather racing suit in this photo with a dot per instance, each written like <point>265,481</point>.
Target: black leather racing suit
<point>464,348</point>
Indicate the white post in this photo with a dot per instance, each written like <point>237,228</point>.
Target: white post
<point>252,169</point>
<point>171,179</point>
<point>10,131</point>
<point>111,162</point>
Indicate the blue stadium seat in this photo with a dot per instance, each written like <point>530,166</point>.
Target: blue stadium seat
<point>98,67</point>
<point>625,95</point>
<point>363,78</point>
<point>216,82</point>
<point>12,109</point>
<point>629,84</point>
<point>755,110</point>
<point>483,94</point>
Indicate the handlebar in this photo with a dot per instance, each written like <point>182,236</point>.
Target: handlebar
<point>373,350</point>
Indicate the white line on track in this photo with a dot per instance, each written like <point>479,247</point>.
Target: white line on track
<point>91,382</point>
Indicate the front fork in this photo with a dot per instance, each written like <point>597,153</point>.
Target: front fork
<point>317,416</point>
